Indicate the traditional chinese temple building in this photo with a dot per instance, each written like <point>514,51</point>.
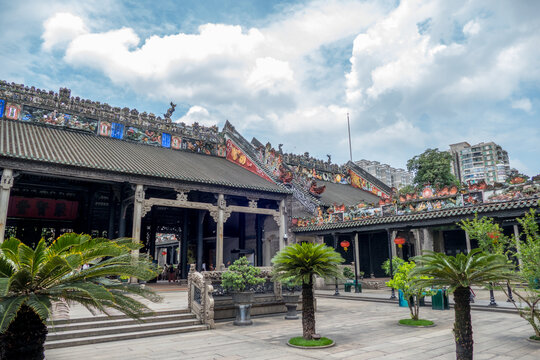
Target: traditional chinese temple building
<point>195,194</point>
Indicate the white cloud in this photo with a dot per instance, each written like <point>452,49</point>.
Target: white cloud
<point>472,28</point>
<point>199,115</point>
<point>269,73</point>
<point>61,28</point>
<point>418,75</point>
<point>522,104</point>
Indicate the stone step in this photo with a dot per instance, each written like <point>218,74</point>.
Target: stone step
<point>105,322</point>
<point>55,344</point>
<point>115,328</point>
<point>116,317</point>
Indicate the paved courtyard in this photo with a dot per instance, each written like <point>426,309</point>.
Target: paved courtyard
<point>361,329</point>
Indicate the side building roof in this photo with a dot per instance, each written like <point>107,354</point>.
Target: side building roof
<point>344,194</point>
<point>19,140</point>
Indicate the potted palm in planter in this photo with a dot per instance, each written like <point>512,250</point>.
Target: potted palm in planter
<point>239,277</point>
<point>290,298</point>
<point>303,262</point>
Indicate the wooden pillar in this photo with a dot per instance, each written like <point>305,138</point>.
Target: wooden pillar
<point>112,210</point>
<point>259,221</point>
<point>184,245</point>
<point>122,220</point>
<point>200,244</point>
<point>467,242</point>
<point>516,235</point>
<point>241,230</point>
<point>5,189</point>
<point>219,231</point>
<point>153,231</point>
<point>357,253</point>
<point>371,273</point>
<point>281,224</point>
<point>137,216</point>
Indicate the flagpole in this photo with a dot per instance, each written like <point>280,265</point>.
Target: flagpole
<point>349,128</point>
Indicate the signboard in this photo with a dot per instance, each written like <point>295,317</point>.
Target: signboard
<point>42,208</point>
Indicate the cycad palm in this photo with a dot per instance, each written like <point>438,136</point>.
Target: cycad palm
<point>458,274</point>
<point>300,262</point>
<point>30,279</point>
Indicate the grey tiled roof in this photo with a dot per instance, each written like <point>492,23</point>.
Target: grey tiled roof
<point>344,194</point>
<point>19,140</point>
<point>420,216</point>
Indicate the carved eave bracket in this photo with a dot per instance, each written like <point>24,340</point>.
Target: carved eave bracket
<point>252,202</point>
<point>182,195</point>
<point>7,181</point>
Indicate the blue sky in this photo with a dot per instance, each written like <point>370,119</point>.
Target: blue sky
<point>411,74</point>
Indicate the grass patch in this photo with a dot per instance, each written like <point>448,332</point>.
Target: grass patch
<point>534,337</point>
<point>300,341</point>
<point>419,322</point>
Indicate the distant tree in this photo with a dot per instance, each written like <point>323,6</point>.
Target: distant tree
<point>432,167</point>
<point>407,189</point>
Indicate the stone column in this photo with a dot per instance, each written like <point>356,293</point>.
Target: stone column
<point>281,224</point>
<point>137,216</point>
<point>417,243</point>
<point>392,244</point>
<point>219,231</point>
<point>467,242</point>
<point>428,240</point>
<point>357,253</point>
<point>516,235</point>
<point>5,189</point>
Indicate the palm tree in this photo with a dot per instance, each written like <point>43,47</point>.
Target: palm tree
<point>300,262</point>
<point>459,273</point>
<point>31,279</point>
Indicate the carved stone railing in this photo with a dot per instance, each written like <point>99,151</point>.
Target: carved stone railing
<point>200,299</point>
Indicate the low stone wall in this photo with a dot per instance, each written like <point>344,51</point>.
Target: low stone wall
<point>209,301</point>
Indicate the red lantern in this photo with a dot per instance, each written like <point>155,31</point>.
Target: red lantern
<point>345,244</point>
<point>399,241</point>
<point>163,253</point>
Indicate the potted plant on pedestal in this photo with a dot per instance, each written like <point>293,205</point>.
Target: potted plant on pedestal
<point>290,298</point>
<point>237,279</point>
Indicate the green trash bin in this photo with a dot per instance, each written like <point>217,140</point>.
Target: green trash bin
<point>349,284</point>
<point>439,301</point>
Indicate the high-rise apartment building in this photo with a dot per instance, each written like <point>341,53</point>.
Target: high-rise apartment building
<point>390,176</point>
<point>483,161</point>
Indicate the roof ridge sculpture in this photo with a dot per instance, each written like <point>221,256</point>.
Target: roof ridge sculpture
<point>61,110</point>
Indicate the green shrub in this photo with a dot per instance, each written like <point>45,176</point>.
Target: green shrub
<point>240,275</point>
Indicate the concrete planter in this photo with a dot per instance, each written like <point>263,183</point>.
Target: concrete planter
<point>291,302</point>
<point>243,301</point>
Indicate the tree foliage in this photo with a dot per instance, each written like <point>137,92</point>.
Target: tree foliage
<point>529,274</point>
<point>458,274</point>
<point>405,281</point>
<point>489,235</point>
<point>396,263</point>
<point>31,279</point>
<point>240,275</point>
<point>432,167</point>
<point>301,262</point>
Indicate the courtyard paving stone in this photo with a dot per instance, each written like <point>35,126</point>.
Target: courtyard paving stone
<point>361,329</point>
